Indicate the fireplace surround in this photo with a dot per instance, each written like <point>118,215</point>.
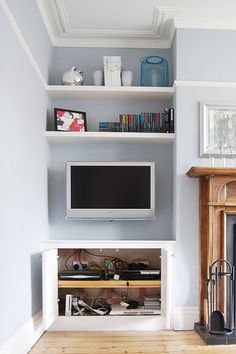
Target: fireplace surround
<point>217,214</point>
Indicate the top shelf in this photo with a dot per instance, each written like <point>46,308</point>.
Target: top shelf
<point>109,92</point>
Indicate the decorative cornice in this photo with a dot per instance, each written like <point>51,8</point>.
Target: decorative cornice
<point>201,18</point>
<point>58,25</point>
<point>165,21</point>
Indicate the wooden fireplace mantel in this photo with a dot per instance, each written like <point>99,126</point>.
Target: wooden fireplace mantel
<point>217,199</point>
<point>199,171</point>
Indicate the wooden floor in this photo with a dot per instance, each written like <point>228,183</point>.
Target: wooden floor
<point>186,342</point>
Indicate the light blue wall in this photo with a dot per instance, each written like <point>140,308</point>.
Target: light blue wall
<point>200,55</point>
<point>187,191</point>
<point>206,55</point>
<point>23,183</point>
<point>160,229</point>
<point>28,18</point>
<point>90,59</point>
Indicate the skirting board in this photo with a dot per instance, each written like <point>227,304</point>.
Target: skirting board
<point>110,323</point>
<point>26,336</point>
<point>185,317</point>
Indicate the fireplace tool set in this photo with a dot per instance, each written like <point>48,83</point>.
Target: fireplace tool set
<point>220,297</point>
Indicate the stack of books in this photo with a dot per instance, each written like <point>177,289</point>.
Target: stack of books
<point>112,70</point>
<point>145,122</point>
<point>109,127</point>
<point>152,303</point>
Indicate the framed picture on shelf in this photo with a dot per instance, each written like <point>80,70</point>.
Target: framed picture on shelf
<point>69,121</point>
<point>217,130</point>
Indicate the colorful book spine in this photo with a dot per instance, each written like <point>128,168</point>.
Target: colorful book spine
<point>171,120</point>
<point>145,122</point>
<point>109,127</point>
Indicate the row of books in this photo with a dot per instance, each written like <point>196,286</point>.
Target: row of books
<point>145,122</point>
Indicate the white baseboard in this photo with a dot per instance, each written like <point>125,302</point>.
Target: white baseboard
<point>110,323</point>
<point>26,336</point>
<point>185,317</point>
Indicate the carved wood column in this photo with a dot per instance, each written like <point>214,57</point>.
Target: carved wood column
<point>217,197</point>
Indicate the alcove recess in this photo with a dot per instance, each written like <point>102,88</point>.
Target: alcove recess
<point>217,201</point>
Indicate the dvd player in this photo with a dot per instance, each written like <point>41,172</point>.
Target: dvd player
<point>118,310</point>
<point>80,275</point>
<point>142,274</point>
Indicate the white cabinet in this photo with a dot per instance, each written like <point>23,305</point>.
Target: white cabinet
<point>52,287</point>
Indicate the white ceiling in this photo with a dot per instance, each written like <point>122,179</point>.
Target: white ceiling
<point>130,23</point>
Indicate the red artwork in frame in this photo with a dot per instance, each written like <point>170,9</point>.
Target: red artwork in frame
<point>69,121</point>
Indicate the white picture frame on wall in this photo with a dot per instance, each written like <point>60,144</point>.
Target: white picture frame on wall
<point>217,130</point>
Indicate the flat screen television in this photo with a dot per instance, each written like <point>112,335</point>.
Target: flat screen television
<point>110,190</point>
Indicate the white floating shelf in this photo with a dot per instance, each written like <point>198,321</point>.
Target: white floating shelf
<point>109,92</point>
<point>108,137</point>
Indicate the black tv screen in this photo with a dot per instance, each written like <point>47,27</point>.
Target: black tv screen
<point>112,187</point>
<point>115,189</point>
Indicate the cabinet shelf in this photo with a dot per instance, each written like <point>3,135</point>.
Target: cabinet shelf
<point>63,284</point>
<point>109,137</point>
<point>109,92</point>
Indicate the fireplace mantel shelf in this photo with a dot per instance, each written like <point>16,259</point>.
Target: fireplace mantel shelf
<point>201,171</point>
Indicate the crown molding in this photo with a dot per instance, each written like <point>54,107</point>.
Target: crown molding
<point>61,34</point>
<point>111,43</point>
<point>164,23</point>
<point>201,18</point>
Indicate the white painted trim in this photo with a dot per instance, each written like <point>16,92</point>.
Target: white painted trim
<point>185,317</point>
<point>110,42</point>
<point>110,323</point>
<point>189,83</point>
<point>22,41</point>
<point>62,35</point>
<point>106,244</point>
<point>25,337</point>
<point>156,27</point>
<point>171,32</point>
<point>201,18</point>
<point>45,13</point>
<point>109,137</point>
<point>165,20</point>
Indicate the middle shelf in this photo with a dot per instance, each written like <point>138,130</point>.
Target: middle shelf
<point>107,137</point>
<point>109,284</point>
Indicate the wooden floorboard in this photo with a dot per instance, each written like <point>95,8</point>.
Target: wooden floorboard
<point>160,342</point>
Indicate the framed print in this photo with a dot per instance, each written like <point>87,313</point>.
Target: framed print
<point>69,121</point>
<point>217,130</point>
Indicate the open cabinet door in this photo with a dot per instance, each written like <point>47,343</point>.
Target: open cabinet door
<point>50,288</point>
<point>166,285</point>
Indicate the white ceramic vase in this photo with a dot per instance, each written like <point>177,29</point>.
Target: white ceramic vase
<point>126,77</point>
<point>98,77</point>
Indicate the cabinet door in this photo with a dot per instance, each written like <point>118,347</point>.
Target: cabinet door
<point>164,282</point>
<point>167,258</point>
<point>50,289</point>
